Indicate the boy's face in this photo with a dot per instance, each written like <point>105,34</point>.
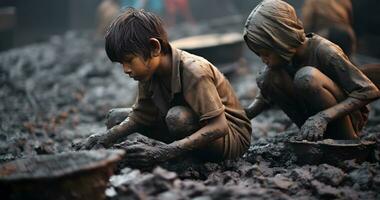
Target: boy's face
<point>138,68</point>
<point>270,58</point>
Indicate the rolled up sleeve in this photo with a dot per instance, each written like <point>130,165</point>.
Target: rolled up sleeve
<point>203,98</point>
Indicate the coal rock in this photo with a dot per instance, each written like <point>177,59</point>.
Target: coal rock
<point>329,174</point>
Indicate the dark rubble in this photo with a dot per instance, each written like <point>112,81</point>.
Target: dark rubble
<point>54,94</point>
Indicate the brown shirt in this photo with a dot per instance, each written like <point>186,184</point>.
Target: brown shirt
<point>330,60</point>
<point>195,83</point>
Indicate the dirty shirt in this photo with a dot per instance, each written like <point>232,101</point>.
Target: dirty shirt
<point>197,84</point>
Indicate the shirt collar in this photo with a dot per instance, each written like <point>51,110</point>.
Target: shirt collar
<point>176,85</point>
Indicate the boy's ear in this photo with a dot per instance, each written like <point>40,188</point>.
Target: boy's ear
<point>156,47</point>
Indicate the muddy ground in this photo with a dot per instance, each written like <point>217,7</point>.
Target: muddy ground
<point>54,94</point>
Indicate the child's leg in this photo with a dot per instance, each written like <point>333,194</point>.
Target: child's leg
<point>181,122</point>
<point>319,92</point>
<point>278,85</point>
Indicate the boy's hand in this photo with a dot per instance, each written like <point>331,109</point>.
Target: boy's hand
<point>92,142</point>
<point>313,128</point>
<point>143,155</point>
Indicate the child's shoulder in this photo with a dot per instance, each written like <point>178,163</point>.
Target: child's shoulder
<point>196,66</point>
<point>323,47</point>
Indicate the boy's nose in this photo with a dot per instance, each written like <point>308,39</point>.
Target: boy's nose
<point>127,69</point>
<point>264,60</point>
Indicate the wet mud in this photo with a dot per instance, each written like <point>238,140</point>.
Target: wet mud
<point>56,93</point>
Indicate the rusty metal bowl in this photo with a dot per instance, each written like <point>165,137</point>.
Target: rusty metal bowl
<point>71,175</point>
<point>331,151</point>
<point>216,48</point>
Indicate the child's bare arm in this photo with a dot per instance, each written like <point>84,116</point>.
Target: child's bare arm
<point>110,136</point>
<point>315,126</point>
<point>145,155</point>
<point>118,132</point>
<point>215,128</point>
<point>256,107</point>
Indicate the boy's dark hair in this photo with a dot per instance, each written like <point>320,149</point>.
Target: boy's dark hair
<point>129,33</point>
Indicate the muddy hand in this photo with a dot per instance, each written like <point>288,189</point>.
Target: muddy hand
<point>314,128</point>
<point>93,142</point>
<point>144,155</point>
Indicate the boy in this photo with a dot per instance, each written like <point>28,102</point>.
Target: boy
<point>175,87</point>
<point>307,76</point>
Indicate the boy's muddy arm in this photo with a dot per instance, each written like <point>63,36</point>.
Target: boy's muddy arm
<point>118,132</point>
<point>109,137</point>
<point>315,126</point>
<point>256,107</point>
<point>215,128</point>
<point>146,155</point>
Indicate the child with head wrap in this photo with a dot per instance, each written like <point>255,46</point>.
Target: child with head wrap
<point>307,76</point>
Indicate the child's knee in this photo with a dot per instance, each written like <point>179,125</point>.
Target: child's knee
<point>307,78</point>
<point>272,79</point>
<point>116,116</point>
<point>181,120</point>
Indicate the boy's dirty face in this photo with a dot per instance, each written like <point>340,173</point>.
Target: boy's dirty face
<point>137,68</point>
<point>270,58</point>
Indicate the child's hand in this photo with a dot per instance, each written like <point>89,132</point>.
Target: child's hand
<point>314,128</point>
<point>92,142</point>
<point>143,155</point>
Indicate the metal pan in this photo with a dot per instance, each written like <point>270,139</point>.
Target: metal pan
<point>331,151</point>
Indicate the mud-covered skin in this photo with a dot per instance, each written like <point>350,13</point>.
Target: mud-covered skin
<point>111,136</point>
<point>313,128</point>
<point>139,154</point>
<point>308,93</point>
<point>319,93</point>
<point>256,107</point>
<point>207,139</point>
<point>116,116</point>
<point>182,128</point>
<point>92,142</point>
<point>181,121</point>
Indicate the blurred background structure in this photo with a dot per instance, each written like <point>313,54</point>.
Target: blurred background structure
<point>24,22</point>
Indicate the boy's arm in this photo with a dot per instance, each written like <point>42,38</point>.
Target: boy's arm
<point>110,136</point>
<point>257,106</point>
<point>315,126</point>
<point>118,132</point>
<point>146,155</point>
<point>215,128</point>
<point>343,108</point>
<point>361,91</point>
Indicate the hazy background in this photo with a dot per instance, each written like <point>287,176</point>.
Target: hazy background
<point>28,21</point>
